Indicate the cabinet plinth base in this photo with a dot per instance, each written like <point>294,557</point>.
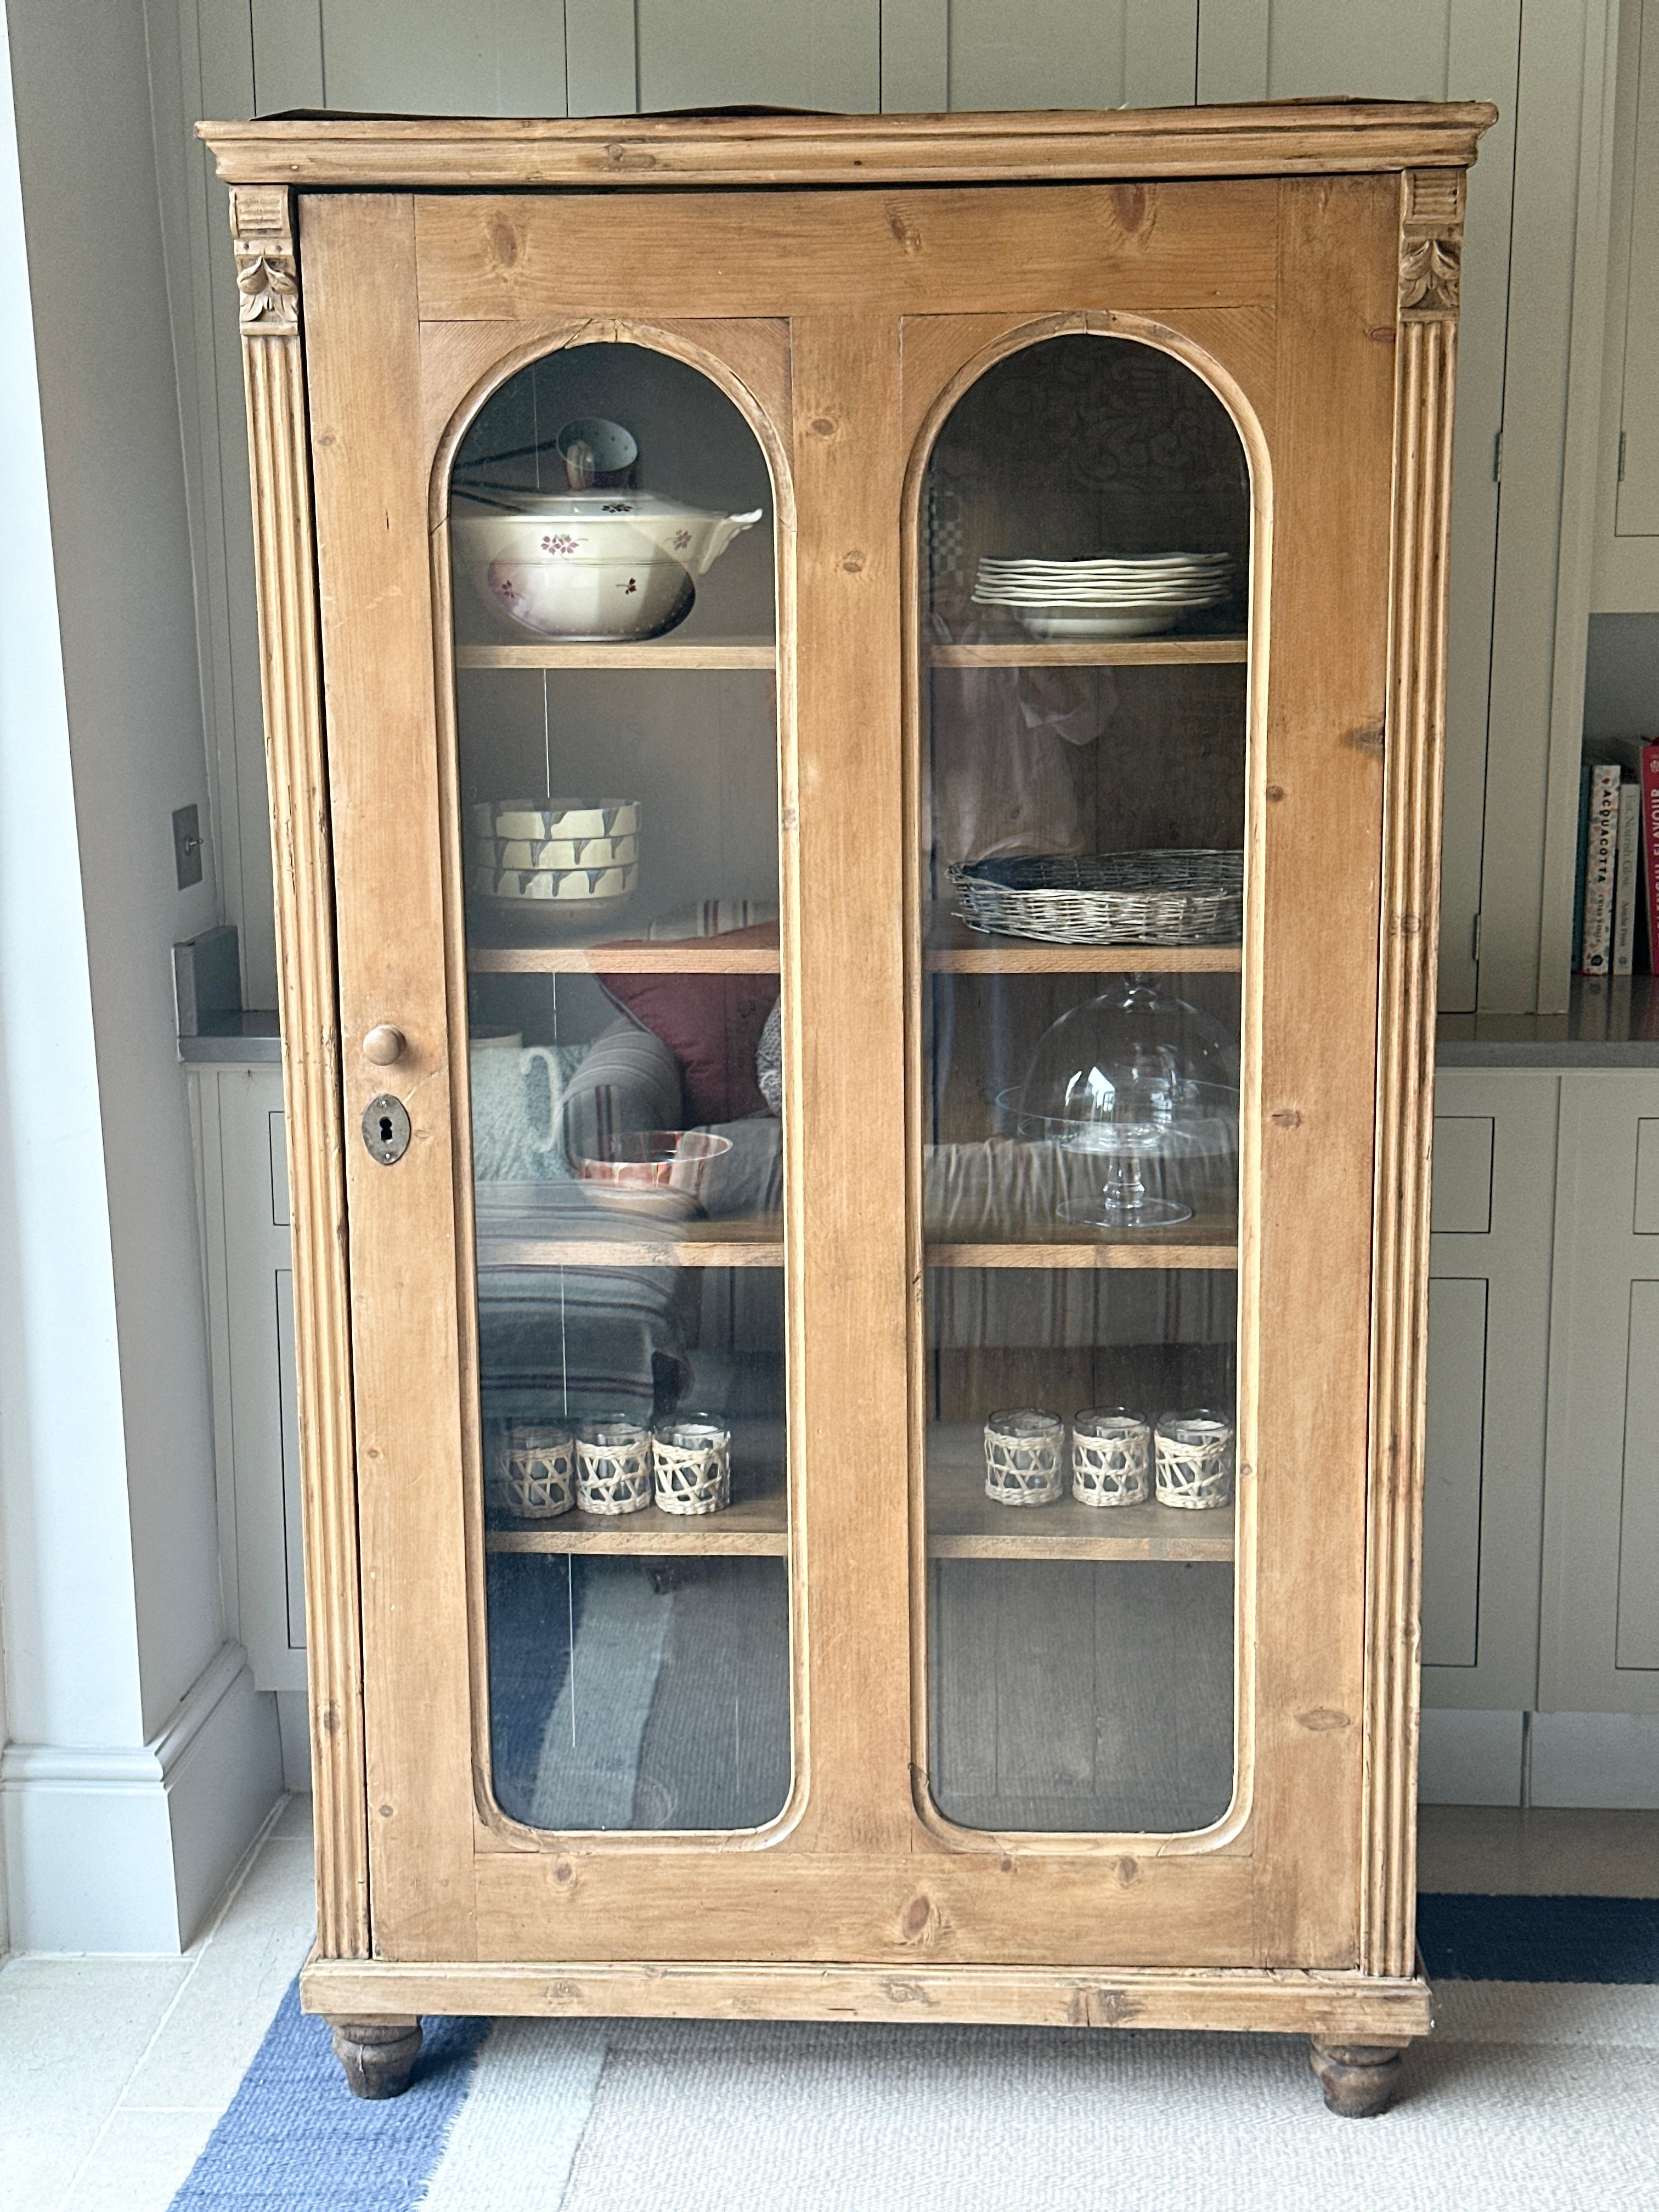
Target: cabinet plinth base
<point>377,2055</point>
<point>1339,2011</point>
<point>1361,2079</point>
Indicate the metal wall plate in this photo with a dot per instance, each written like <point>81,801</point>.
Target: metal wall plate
<point>385,1129</point>
<point>187,847</point>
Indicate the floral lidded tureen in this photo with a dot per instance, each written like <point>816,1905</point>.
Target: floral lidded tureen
<point>588,565</point>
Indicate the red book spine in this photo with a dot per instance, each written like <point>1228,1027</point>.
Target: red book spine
<point>1650,847</point>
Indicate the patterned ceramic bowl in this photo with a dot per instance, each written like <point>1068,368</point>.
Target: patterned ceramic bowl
<point>655,1159</point>
<point>589,566</point>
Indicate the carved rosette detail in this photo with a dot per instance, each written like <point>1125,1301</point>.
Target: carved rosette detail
<point>267,276</point>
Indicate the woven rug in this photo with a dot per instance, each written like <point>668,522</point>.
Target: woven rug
<point>1537,2090</point>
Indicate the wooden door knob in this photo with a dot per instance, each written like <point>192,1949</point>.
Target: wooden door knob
<point>384,1044</point>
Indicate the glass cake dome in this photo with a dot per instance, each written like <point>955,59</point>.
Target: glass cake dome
<point>1142,1083</point>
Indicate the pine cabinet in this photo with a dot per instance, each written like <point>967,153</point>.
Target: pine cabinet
<point>854,709</point>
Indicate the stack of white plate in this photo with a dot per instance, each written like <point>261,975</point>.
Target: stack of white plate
<point>1059,599</point>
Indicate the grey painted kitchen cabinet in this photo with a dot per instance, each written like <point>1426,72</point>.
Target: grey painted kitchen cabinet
<point>1489,1327</point>
<point>243,1192</point>
<point>1599,1651</point>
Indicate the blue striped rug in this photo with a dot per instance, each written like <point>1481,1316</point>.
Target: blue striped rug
<point>1530,2093</point>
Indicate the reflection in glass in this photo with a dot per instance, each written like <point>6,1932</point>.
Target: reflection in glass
<point>1087,521</point>
<point>619,825</point>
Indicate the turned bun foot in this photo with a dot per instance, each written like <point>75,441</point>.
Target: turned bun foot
<point>1359,2079</point>
<point>377,2055</point>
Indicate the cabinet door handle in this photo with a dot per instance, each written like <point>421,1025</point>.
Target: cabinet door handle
<point>384,1044</point>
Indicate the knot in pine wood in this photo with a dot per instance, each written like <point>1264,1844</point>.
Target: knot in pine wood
<point>905,1993</point>
<point>904,230</point>
<point>1130,202</point>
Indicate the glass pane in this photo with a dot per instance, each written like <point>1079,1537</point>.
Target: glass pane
<point>1087,516</point>
<point>610,507</point>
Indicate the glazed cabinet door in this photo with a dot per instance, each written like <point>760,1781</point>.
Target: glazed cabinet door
<point>1144,821</point>
<point>855,767</point>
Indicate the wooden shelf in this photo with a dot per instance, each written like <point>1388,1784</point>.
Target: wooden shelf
<point>617,1238</point>
<point>759,1529</point>
<point>1096,652</point>
<point>964,1523</point>
<point>951,948</point>
<point>694,956</point>
<point>1207,1240</point>
<point>754,1525</point>
<point>649,652</point>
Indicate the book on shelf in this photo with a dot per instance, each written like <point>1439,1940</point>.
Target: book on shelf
<point>1637,877</point>
<point>1626,880</point>
<point>1600,860</point>
<point>1580,847</point>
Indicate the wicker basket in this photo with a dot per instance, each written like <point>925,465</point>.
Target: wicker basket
<point>1107,898</point>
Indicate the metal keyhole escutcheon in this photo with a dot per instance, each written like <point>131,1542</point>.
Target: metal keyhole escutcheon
<point>385,1129</point>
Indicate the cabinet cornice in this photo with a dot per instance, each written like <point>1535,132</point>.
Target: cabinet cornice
<point>1286,138</point>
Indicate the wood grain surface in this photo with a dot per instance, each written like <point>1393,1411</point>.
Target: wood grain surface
<point>284,563</point>
<point>633,151</point>
<point>845,323</point>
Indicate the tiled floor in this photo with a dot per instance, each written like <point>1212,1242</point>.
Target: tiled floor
<point>113,2070</point>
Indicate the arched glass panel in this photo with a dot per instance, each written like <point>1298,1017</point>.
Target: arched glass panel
<point>1084,573</point>
<point>610,530</point>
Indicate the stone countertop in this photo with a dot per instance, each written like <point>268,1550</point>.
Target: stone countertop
<point>1610,1023</point>
<point>246,1039</point>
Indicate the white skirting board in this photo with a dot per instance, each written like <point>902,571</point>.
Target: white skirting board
<point>124,1849</point>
